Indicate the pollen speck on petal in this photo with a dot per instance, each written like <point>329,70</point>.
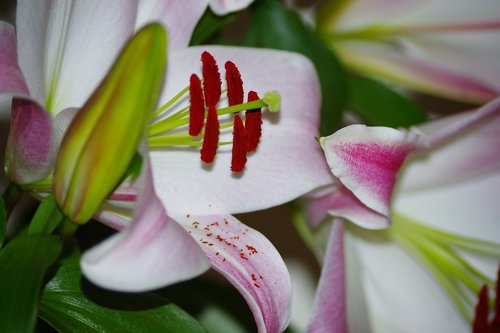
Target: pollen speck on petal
<point>196,107</point>
<point>211,79</point>
<point>253,124</point>
<point>211,138</point>
<point>234,84</point>
<point>239,152</point>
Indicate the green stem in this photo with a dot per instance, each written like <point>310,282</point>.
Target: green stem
<point>11,197</point>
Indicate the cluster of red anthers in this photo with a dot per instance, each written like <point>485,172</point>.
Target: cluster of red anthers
<point>204,100</point>
<point>481,323</point>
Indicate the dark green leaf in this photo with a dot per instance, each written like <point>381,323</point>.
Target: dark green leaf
<point>71,306</point>
<point>23,264</point>
<point>3,220</point>
<point>47,217</point>
<point>275,26</point>
<point>208,25</point>
<point>379,105</point>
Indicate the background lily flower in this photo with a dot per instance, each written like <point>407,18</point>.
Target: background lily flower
<point>446,48</point>
<point>444,222</point>
<point>198,196</point>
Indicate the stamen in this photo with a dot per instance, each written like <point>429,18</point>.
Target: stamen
<point>196,107</point>
<point>211,138</point>
<point>239,152</point>
<point>234,84</point>
<point>495,324</point>
<point>253,124</point>
<point>211,79</point>
<point>480,324</point>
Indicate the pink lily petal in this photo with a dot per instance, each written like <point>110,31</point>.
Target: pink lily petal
<point>250,263</point>
<point>417,74</point>
<point>329,312</point>
<point>180,20</point>
<point>474,132</point>
<point>367,159</point>
<point>29,152</point>
<point>154,252</point>
<point>56,37</point>
<point>274,174</point>
<point>223,7</point>
<point>344,204</point>
<point>318,204</point>
<point>11,78</point>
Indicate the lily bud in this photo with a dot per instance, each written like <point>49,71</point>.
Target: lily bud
<point>103,137</point>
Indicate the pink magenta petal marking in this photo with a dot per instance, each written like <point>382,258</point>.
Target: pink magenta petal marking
<point>154,252</point>
<point>11,78</point>
<point>367,159</point>
<point>29,153</point>
<point>329,311</point>
<point>250,263</point>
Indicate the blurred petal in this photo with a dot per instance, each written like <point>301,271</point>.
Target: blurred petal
<point>463,145</point>
<point>367,159</point>
<point>154,252</point>
<point>396,288</point>
<point>288,161</point>
<point>29,154</point>
<point>11,78</point>
<point>371,59</point>
<point>64,33</point>
<point>223,7</point>
<point>180,20</point>
<point>329,312</point>
<point>250,263</point>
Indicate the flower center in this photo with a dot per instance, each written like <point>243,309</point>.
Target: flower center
<point>202,121</point>
<point>440,252</point>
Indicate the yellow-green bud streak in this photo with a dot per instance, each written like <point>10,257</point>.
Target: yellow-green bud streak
<point>102,139</point>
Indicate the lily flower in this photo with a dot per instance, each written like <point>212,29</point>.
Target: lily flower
<point>437,206</point>
<point>446,48</point>
<point>65,50</point>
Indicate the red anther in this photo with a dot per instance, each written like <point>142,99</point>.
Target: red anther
<point>211,138</point>
<point>495,324</point>
<point>480,324</point>
<point>196,107</point>
<point>234,84</point>
<point>239,152</point>
<point>253,124</point>
<point>211,79</point>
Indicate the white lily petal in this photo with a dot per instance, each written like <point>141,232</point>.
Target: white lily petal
<point>249,261</point>
<point>274,173</point>
<point>179,19</point>
<point>399,292</point>
<point>154,252</point>
<point>471,54</point>
<point>63,34</point>
<point>474,132</point>
<point>371,59</point>
<point>223,7</point>
<point>329,311</point>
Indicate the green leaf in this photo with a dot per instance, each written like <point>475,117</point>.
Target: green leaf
<point>47,217</point>
<point>208,25</point>
<point>379,105</point>
<point>23,264</point>
<point>275,26</point>
<point>71,306</point>
<point>3,220</point>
